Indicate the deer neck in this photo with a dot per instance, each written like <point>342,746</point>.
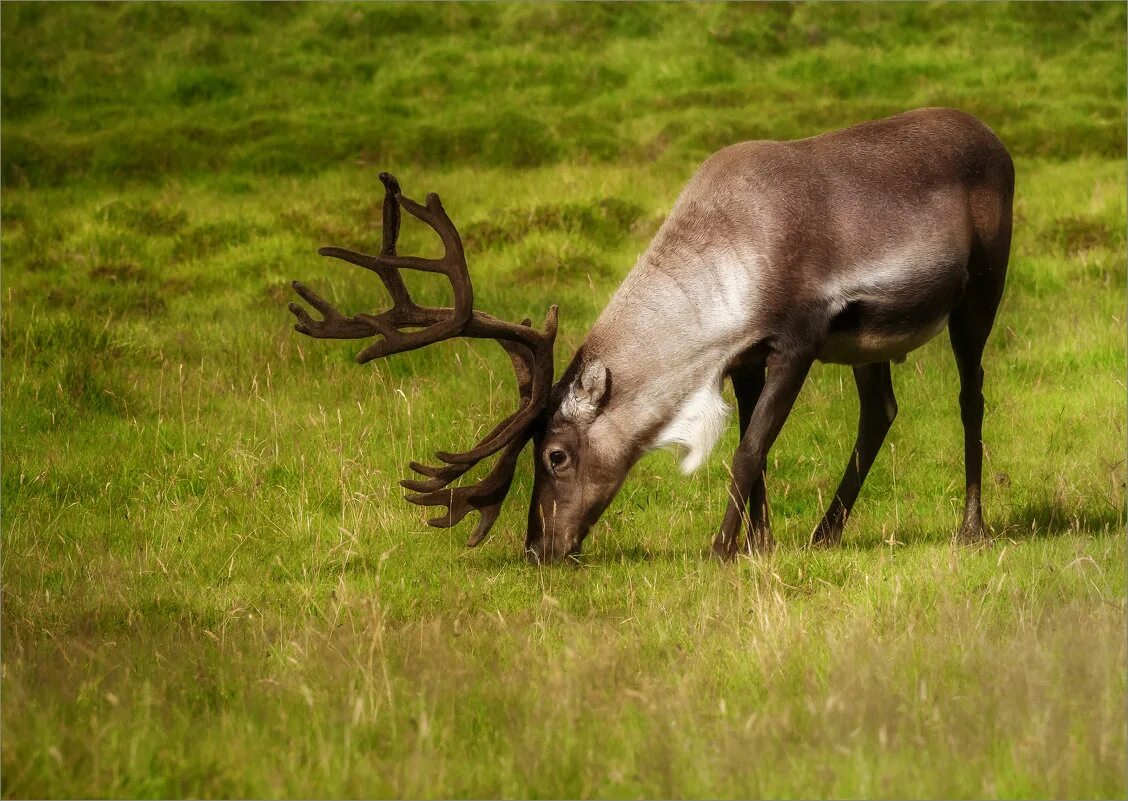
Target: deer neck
<point>686,326</point>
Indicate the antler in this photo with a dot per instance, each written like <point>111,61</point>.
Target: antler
<point>529,350</point>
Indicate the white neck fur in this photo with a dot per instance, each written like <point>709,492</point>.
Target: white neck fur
<point>696,426</point>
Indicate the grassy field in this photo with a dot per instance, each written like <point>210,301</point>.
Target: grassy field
<point>211,586</point>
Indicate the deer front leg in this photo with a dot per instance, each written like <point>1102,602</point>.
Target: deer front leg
<point>877,410</point>
<point>785,376</point>
<point>747,384</point>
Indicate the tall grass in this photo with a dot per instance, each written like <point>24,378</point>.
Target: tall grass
<point>211,586</point>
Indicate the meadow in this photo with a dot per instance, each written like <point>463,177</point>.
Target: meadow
<point>211,586</point>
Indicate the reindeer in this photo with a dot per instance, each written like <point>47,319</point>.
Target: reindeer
<point>853,247</point>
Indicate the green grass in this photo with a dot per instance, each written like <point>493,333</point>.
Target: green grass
<point>211,586</point>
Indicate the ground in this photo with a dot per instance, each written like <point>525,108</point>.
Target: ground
<point>211,585</point>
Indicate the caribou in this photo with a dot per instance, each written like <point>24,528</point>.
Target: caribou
<point>852,247</point>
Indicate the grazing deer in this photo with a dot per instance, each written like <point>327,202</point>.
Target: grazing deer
<point>854,247</point>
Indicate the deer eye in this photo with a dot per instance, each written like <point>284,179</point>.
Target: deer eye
<point>557,458</point>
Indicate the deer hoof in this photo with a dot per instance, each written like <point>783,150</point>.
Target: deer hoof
<point>973,534</point>
<point>723,549</point>
<point>826,536</point>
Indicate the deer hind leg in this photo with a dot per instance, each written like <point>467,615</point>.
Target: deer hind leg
<point>747,384</point>
<point>878,409</point>
<point>968,329</point>
<point>784,379</point>
<point>969,326</point>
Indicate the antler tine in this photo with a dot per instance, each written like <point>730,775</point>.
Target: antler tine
<point>334,325</point>
<point>389,236</point>
<point>485,497</point>
<point>390,215</point>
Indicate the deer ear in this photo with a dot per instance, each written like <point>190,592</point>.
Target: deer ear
<point>594,383</point>
<point>588,394</point>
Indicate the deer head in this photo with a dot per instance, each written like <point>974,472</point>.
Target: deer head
<point>580,461</point>
<point>558,494</point>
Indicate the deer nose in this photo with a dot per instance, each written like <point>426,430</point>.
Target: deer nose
<point>545,551</point>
